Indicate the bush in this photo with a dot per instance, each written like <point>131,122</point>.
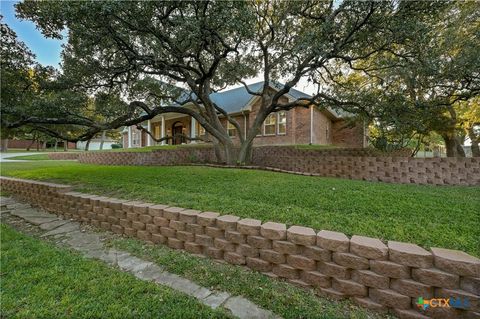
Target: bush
<point>115,146</point>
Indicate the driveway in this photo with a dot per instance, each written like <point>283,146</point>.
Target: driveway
<point>4,157</point>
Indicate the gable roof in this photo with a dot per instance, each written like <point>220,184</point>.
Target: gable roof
<point>236,100</point>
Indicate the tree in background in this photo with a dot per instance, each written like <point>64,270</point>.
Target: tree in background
<point>428,83</point>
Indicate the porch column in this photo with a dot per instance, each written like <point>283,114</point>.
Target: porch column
<point>193,129</point>
<point>149,128</point>
<point>163,130</point>
<point>129,137</point>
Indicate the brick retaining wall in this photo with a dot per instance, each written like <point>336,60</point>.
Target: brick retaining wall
<point>375,275</point>
<point>362,164</point>
<point>436,171</point>
<point>64,156</point>
<point>156,157</point>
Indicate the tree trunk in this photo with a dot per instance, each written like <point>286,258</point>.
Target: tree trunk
<point>474,140</point>
<point>31,144</point>
<point>245,153</point>
<point>87,145</point>
<point>55,145</point>
<point>4,145</point>
<point>103,139</point>
<point>218,152</point>
<point>454,148</point>
<point>229,151</point>
<point>44,146</point>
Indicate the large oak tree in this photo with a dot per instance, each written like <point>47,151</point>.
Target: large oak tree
<point>429,83</point>
<point>141,52</point>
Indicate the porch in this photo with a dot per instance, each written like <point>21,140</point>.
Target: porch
<point>178,128</point>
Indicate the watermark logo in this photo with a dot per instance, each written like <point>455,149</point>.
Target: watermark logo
<point>460,303</point>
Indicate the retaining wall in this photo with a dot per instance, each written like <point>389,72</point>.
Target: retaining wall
<point>436,171</point>
<point>64,156</point>
<point>156,157</point>
<point>375,275</point>
<point>362,164</point>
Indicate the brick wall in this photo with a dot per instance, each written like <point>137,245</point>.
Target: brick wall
<point>14,143</point>
<point>346,135</point>
<point>362,164</point>
<point>374,274</point>
<point>156,157</point>
<point>365,164</point>
<point>64,155</point>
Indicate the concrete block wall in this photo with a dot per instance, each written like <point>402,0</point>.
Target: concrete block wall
<point>405,170</point>
<point>361,164</point>
<point>64,156</point>
<point>376,275</point>
<point>157,157</point>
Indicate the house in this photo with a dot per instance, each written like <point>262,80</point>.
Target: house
<point>95,143</point>
<point>301,125</point>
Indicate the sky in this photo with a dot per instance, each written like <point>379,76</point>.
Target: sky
<point>47,51</point>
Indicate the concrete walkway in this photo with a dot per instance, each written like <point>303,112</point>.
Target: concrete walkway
<point>90,244</point>
<point>4,157</point>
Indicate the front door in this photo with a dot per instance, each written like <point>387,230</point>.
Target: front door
<point>177,131</point>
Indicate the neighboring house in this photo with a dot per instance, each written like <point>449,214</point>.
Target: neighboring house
<point>95,144</point>
<point>298,126</point>
<point>15,143</point>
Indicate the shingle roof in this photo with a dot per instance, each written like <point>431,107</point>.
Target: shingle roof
<point>236,100</point>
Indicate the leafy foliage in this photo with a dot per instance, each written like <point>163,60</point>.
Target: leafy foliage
<point>418,86</point>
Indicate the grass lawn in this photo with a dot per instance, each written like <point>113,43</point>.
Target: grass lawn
<point>431,216</point>
<point>278,296</point>
<point>34,157</point>
<point>153,148</point>
<point>42,281</point>
<point>34,150</point>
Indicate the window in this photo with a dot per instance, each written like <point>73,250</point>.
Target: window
<point>282,123</point>
<point>269,124</point>
<point>156,131</point>
<point>232,131</point>
<point>136,138</point>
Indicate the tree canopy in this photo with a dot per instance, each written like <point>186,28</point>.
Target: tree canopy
<point>428,84</point>
<point>127,61</point>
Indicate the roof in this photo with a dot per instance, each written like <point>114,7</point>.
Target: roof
<point>236,100</point>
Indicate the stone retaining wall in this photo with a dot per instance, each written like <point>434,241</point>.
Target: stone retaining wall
<point>157,157</point>
<point>436,171</point>
<point>64,156</point>
<point>361,164</point>
<point>375,275</point>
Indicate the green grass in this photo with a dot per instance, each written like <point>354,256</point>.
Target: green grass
<point>34,150</point>
<point>431,216</point>
<point>153,148</point>
<point>41,281</point>
<point>278,296</point>
<point>35,157</point>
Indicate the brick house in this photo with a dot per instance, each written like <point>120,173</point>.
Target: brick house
<point>301,125</point>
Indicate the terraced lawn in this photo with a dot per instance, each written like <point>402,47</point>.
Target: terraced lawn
<point>431,216</point>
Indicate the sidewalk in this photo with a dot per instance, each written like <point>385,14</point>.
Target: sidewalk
<point>91,245</point>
